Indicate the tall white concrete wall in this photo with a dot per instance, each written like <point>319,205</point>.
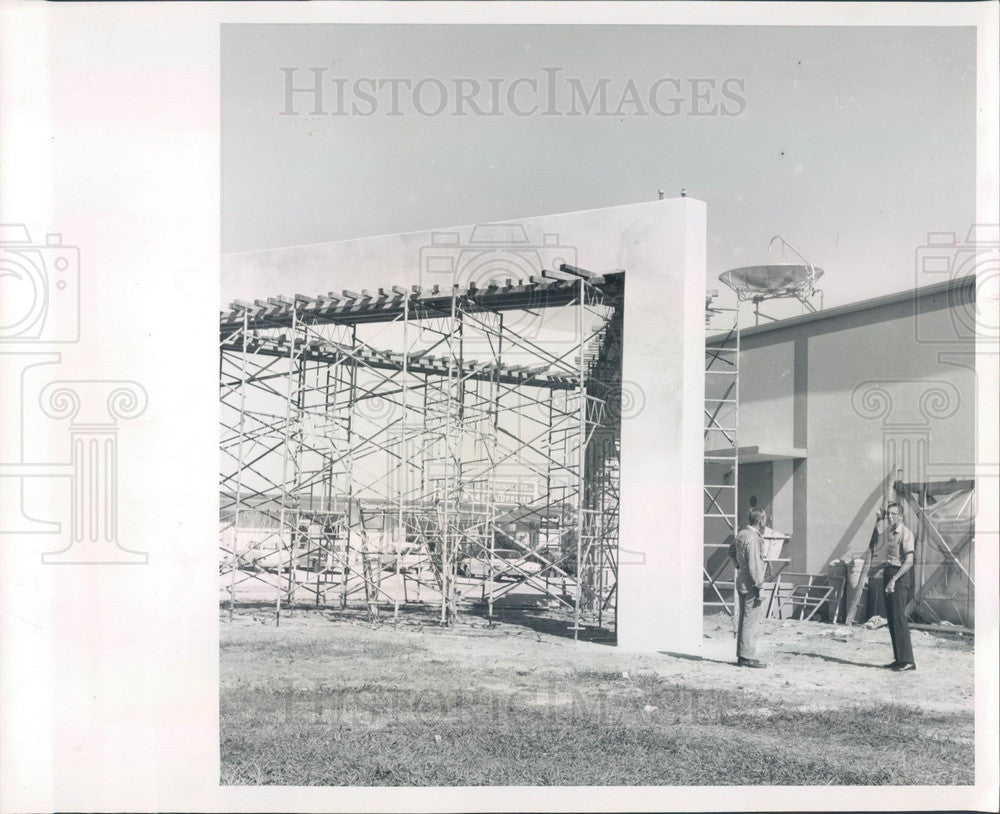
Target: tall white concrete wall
<point>661,247</point>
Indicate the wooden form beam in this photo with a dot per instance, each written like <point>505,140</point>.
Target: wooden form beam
<point>329,353</point>
<point>351,307</point>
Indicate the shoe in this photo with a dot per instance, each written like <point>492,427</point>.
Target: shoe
<point>892,666</point>
<point>906,666</point>
<point>750,663</point>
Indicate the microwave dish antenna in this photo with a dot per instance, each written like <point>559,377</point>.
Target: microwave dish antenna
<point>776,281</point>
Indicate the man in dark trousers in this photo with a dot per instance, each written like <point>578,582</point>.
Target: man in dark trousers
<point>747,550</point>
<point>892,546</point>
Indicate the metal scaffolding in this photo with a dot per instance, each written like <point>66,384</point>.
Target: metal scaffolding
<point>473,462</point>
<point>721,434</point>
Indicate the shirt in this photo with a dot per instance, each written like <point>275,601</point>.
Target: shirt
<point>774,541</point>
<point>891,547</point>
<point>748,551</point>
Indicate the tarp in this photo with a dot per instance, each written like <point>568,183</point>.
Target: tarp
<point>945,582</point>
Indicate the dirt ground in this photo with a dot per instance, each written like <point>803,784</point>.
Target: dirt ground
<point>823,666</point>
<point>811,664</point>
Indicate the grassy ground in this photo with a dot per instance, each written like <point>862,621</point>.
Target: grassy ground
<point>323,701</point>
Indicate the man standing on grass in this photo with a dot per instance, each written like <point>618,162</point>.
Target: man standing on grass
<point>892,545</point>
<point>747,550</point>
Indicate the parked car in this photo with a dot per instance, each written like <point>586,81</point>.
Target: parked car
<point>507,564</point>
<point>412,559</point>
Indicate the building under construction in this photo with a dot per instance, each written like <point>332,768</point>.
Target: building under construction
<point>441,444</point>
<point>525,436</point>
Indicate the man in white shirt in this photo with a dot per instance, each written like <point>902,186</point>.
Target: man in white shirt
<point>892,547</point>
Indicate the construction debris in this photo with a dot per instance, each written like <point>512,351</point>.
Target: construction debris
<point>876,622</point>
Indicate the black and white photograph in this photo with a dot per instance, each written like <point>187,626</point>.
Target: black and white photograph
<point>554,500</point>
<point>466,406</point>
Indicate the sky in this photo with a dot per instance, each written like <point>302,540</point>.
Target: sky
<point>851,143</point>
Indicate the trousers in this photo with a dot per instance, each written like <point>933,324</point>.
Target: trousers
<point>751,612</point>
<point>895,611</point>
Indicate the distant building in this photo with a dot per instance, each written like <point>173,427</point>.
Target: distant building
<point>837,406</point>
